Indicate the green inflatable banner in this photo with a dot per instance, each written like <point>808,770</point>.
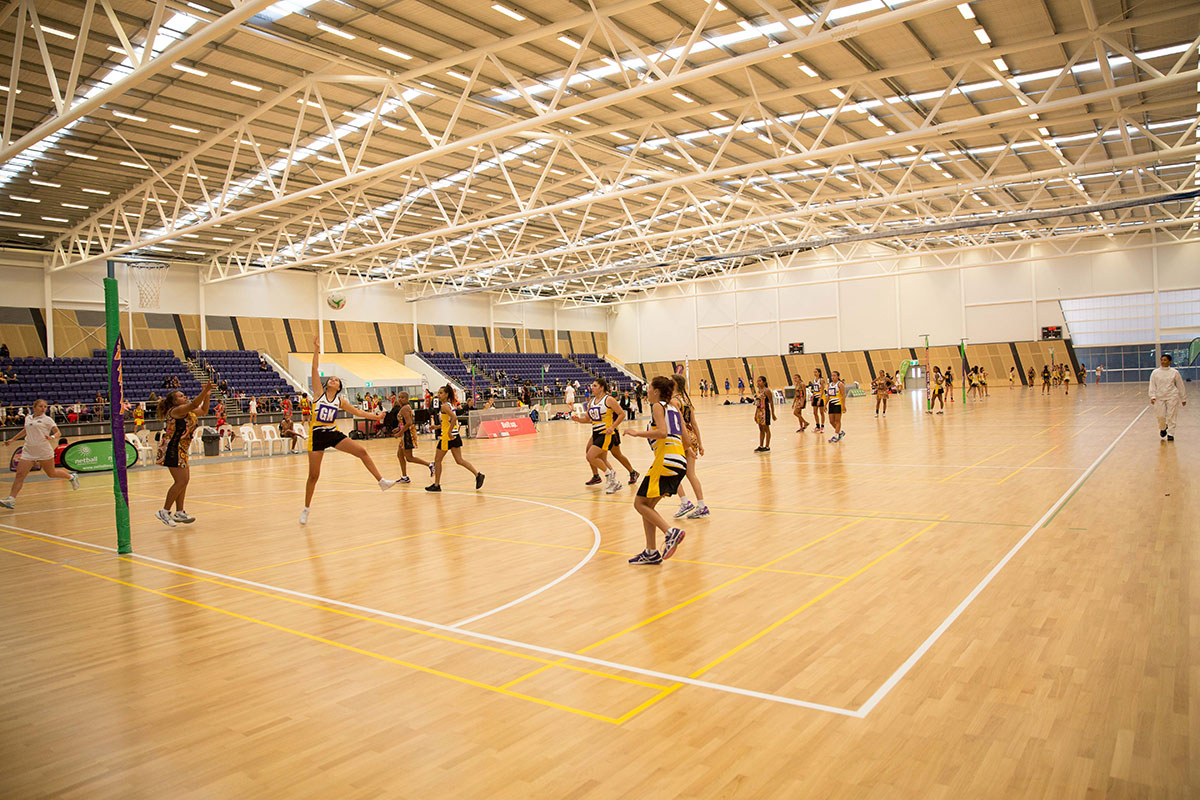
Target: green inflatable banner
<point>94,455</point>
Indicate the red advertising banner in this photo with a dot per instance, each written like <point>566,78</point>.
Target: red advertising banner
<point>496,428</point>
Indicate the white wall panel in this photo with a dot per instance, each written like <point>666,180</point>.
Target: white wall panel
<point>807,301</point>
<point>997,283</point>
<point>1123,271</point>
<point>930,303</point>
<point>758,338</point>
<point>756,306</point>
<point>1179,266</point>
<point>23,287</point>
<point>668,329</point>
<point>718,342</point>
<point>868,314</point>
<point>1005,322</point>
<point>623,337</point>
<point>717,308</point>
<point>818,335</point>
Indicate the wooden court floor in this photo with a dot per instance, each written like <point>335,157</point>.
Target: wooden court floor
<point>999,602</point>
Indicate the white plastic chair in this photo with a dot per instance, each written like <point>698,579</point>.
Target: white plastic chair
<point>249,439</point>
<point>145,452</point>
<point>298,444</point>
<point>271,439</point>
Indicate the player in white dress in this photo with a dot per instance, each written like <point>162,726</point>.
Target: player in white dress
<point>41,434</point>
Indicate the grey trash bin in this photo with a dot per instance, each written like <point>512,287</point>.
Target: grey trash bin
<point>212,442</point>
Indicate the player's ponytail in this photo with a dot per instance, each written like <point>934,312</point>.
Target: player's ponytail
<point>664,386</point>
<point>165,403</point>
<point>449,390</point>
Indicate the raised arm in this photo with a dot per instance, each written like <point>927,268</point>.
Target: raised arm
<point>201,401</point>
<point>316,364</point>
<point>349,408</point>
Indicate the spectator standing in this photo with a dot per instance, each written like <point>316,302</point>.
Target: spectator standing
<point>253,410</point>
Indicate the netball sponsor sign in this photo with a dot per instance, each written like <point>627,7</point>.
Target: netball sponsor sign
<point>95,455</point>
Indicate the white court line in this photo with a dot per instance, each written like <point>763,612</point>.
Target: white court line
<point>912,660</point>
<point>667,676</point>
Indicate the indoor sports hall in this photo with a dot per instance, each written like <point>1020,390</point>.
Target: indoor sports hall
<point>607,399</point>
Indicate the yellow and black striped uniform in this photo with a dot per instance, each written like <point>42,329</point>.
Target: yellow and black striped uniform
<point>670,460</point>
<point>448,435</point>
<point>323,434</point>
<point>835,397</point>
<point>601,415</point>
<point>937,384</point>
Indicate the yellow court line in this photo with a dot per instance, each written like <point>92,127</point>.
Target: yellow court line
<point>27,555</point>
<point>206,502</point>
<point>1111,410</point>
<point>792,614</point>
<point>341,612</point>
<point>977,463</point>
<point>690,600</point>
<point>1084,428</point>
<point>1026,464</point>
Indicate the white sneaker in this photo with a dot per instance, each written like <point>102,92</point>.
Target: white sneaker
<point>612,488</point>
<point>385,484</point>
<point>304,517</point>
<point>9,502</point>
<point>184,517</point>
<point>74,479</point>
<point>164,517</point>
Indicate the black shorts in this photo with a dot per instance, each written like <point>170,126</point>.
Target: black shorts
<point>606,441</point>
<point>324,438</point>
<point>835,407</point>
<point>406,440</point>
<point>660,485</point>
<point>455,441</point>
<point>818,403</point>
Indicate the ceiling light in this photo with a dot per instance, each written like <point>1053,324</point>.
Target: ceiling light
<point>24,199</point>
<point>184,128</point>
<point>57,32</point>
<point>134,165</point>
<point>94,191</point>
<point>126,115</point>
<point>74,205</point>
<point>807,70</point>
<point>385,123</point>
<point>36,182</point>
<point>9,213</point>
<point>251,230</point>
<point>245,85</point>
<point>1001,64</point>
<point>838,93</point>
<point>397,53</point>
<point>458,75</point>
<point>335,31</point>
<point>618,135</point>
<point>221,239</point>
<point>1043,131</point>
<point>190,70</point>
<point>719,115</point>
<point>569,42</point>
<point>56,219</point>
<point>32,235</point>
<point>506,11</point>
<point>683,97</point>
<point>982,36</point>
<point>191,235</point>
<point>719,6</point>
<point>966,11</point>
<point>74,154</point>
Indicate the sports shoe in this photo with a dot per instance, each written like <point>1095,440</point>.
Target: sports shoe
<point>700,512</point>
<point>841,435</point>
<point>385,484</point>
<point>432,469</point>
<point>612,487</point>
<point>1163,433</point>
<point>684,508</point>
<point>304,517</point>
<point>184,517</point>
<point>647,557</point>
<point>9,502</point>
<point>941,412</point>
<point>1170,437</point>
<point>74,479</point>
<point>433,487</point>
<point>164,517</point>
<point>592,481</point>
<point>405,479</point>
<point>633,476</point>
<point>479,480</point>
<point>834,438</point>
<point>760,449</point>
<point>671,543</point>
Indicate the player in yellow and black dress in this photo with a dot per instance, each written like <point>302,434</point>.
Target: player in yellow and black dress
<point>449,441</point>
<point>881,386</point>
<point>406,432</point>
<point>936,391</point>
<point>973,389</point>
<point>605,415</point>
<point>799,401</point>
<point>324,435</point>
<point>816,388</point>
<point>835,398</point>
<point>683,402</point>
<point>764,413</point>
<point>670,439</point>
